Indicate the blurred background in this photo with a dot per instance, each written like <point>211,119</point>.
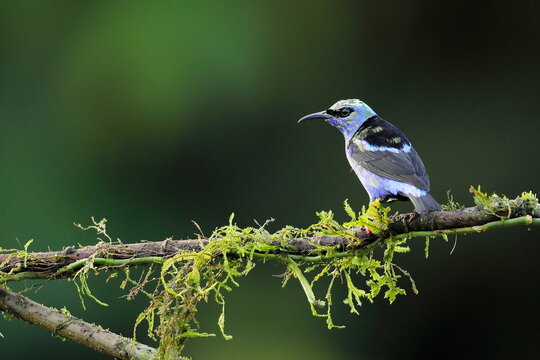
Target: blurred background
<point>152,114</point>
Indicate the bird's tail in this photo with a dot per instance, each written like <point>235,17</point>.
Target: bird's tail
<point>425,203</point>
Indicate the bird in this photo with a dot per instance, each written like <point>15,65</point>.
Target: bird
<point>382,157</point>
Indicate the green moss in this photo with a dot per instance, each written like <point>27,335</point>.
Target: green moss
<point>189,277</point>
<point>175,286</point>
<point>501,206</point>
<point>452,205</point>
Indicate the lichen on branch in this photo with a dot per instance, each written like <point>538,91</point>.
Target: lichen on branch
<point>182,273</point>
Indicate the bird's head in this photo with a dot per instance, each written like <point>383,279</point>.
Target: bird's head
<point>346,115</point>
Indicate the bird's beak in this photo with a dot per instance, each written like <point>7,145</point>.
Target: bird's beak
<point>318,115</point>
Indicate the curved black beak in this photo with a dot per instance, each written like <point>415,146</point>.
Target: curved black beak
<point>318,115</point>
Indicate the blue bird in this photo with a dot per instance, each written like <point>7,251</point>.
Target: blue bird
<point>380,154</point>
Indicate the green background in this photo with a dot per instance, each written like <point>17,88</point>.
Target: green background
<point>156,113</point>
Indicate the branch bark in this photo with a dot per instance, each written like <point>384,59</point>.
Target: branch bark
<point>72,328</point>
<point>59,264</point>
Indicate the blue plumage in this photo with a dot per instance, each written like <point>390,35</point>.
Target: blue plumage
<point>380,154</point>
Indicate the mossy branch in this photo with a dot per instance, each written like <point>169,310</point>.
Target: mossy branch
<point>61,323</point>
<point>16,266</point>
<point>189,271</point>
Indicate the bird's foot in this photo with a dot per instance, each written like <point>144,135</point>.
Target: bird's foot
<point>368,231</point>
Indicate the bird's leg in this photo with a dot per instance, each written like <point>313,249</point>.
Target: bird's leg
<point>368,231</point>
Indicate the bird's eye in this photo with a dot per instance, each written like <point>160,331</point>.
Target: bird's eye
<point>344,112</point>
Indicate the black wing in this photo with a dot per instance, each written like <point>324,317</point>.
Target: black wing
<point>398,162</point>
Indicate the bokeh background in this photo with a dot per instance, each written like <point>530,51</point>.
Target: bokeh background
<point>156,113</point>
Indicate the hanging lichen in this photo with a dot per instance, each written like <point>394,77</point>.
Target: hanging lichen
<point>175,286</point>
<point>189,277</point>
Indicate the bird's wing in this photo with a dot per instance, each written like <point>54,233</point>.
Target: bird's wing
<point>394,159</point>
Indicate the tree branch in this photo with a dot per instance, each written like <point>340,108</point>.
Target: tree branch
<point>73,329</point>
<point>182,287</point>
<point>59,264</point>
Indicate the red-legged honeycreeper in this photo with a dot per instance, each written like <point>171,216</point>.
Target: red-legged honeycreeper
<point>380,154</point>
